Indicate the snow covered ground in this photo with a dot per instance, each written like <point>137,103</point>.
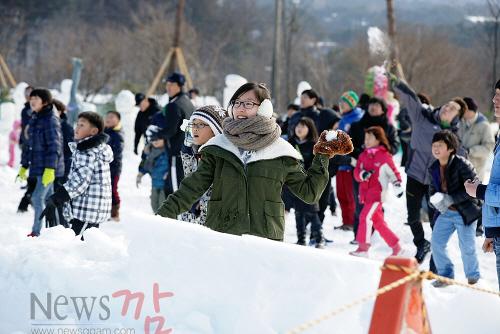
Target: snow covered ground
<point>220,283</point>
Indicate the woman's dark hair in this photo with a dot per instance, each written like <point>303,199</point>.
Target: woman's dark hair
<point>312,95</point>
<point>61,107</point>
<point>93,118</point>
<point>448,137</point>
<point>43,93</point>
<point>462,104</point>
<point>312,135</point>
<point>116,113</point>
<point>260,90</point>
<point>424,98</point>
<point>379,134</point>
<point>363,101</point>
<point>379,101</point>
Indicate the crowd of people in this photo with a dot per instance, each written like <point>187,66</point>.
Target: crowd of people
<point>240,170</point>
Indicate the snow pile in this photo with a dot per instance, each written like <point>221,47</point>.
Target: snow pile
<point>221,283</point>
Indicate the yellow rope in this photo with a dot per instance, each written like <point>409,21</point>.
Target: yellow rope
<point>364,299</point>
<point>431,275</point>
<point>412,275</point>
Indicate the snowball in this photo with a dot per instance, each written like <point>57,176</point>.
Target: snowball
<point>331,135</point>
<point>436,198</point>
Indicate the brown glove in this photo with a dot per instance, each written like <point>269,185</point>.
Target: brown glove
<point>342,145</point>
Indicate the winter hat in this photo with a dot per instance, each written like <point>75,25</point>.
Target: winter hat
<point>153,132</point>
<point>138,98</point>
<point>43,93</point>
<point>351,98</point>
<point>177,77</point>
<point>212,115</point>
<point>471,104</point>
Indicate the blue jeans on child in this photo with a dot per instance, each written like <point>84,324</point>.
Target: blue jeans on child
<point>444,227</point>
<point>38,198</point>
<point>496,247</point>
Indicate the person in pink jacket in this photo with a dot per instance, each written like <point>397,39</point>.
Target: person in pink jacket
<point>13,141</point>
<point>374,170</point>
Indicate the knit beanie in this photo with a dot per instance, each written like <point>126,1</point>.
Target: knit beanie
<point>351,98</point>
<point>471,104</point>
<point>211,115</point>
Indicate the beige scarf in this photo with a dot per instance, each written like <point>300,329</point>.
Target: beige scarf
<point>251,134</point>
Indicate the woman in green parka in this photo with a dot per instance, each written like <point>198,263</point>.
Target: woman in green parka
<point>248,165</point>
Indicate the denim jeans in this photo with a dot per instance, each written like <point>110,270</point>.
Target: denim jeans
<point>38,198</point>
<point>496,247</point>
<point>445,225</point>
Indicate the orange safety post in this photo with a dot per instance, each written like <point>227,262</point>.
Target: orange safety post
<point>401,310</point>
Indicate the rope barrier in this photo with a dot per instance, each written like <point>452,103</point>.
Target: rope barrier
<point>411,275</point>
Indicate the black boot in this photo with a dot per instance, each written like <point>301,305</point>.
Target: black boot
<point>25,202</point>
<point>115,212</point>
<point>422,251</point>
<point>301,238</point>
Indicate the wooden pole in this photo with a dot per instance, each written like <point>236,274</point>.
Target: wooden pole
<point>160,72</point>
<point>177,34</point>
<point>393,55</point>
<point>183,67</point>
<point>277,55</point>
<point>2,79</point>
<point>175,57</point>
<point>9,75</point>
<point>394,65</point>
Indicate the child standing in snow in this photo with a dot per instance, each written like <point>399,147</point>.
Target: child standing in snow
<point>204,124</point>
<point>14,141</point>
<point>89,180</point>
<point>43,155</point>
<point>456,210</point>
<point>68,134</point>
<point>304,138</point>
<point>116,142</point>
<point>154,162</point>
<point>374,170</point>
<point>248,165</point>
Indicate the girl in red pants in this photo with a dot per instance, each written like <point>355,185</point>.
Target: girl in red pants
<point>374,170</point>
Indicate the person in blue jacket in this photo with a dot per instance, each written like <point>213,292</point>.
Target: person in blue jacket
<point>44,156</point>
<point>154,162</point>
<point>490,194</point>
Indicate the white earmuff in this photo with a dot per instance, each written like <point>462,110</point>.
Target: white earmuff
<point>265,108</point>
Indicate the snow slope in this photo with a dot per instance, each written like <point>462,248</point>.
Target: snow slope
<point>221,283</point>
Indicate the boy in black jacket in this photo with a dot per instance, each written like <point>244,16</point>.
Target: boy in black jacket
<point>456,210</point>
<point>114,131</point>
